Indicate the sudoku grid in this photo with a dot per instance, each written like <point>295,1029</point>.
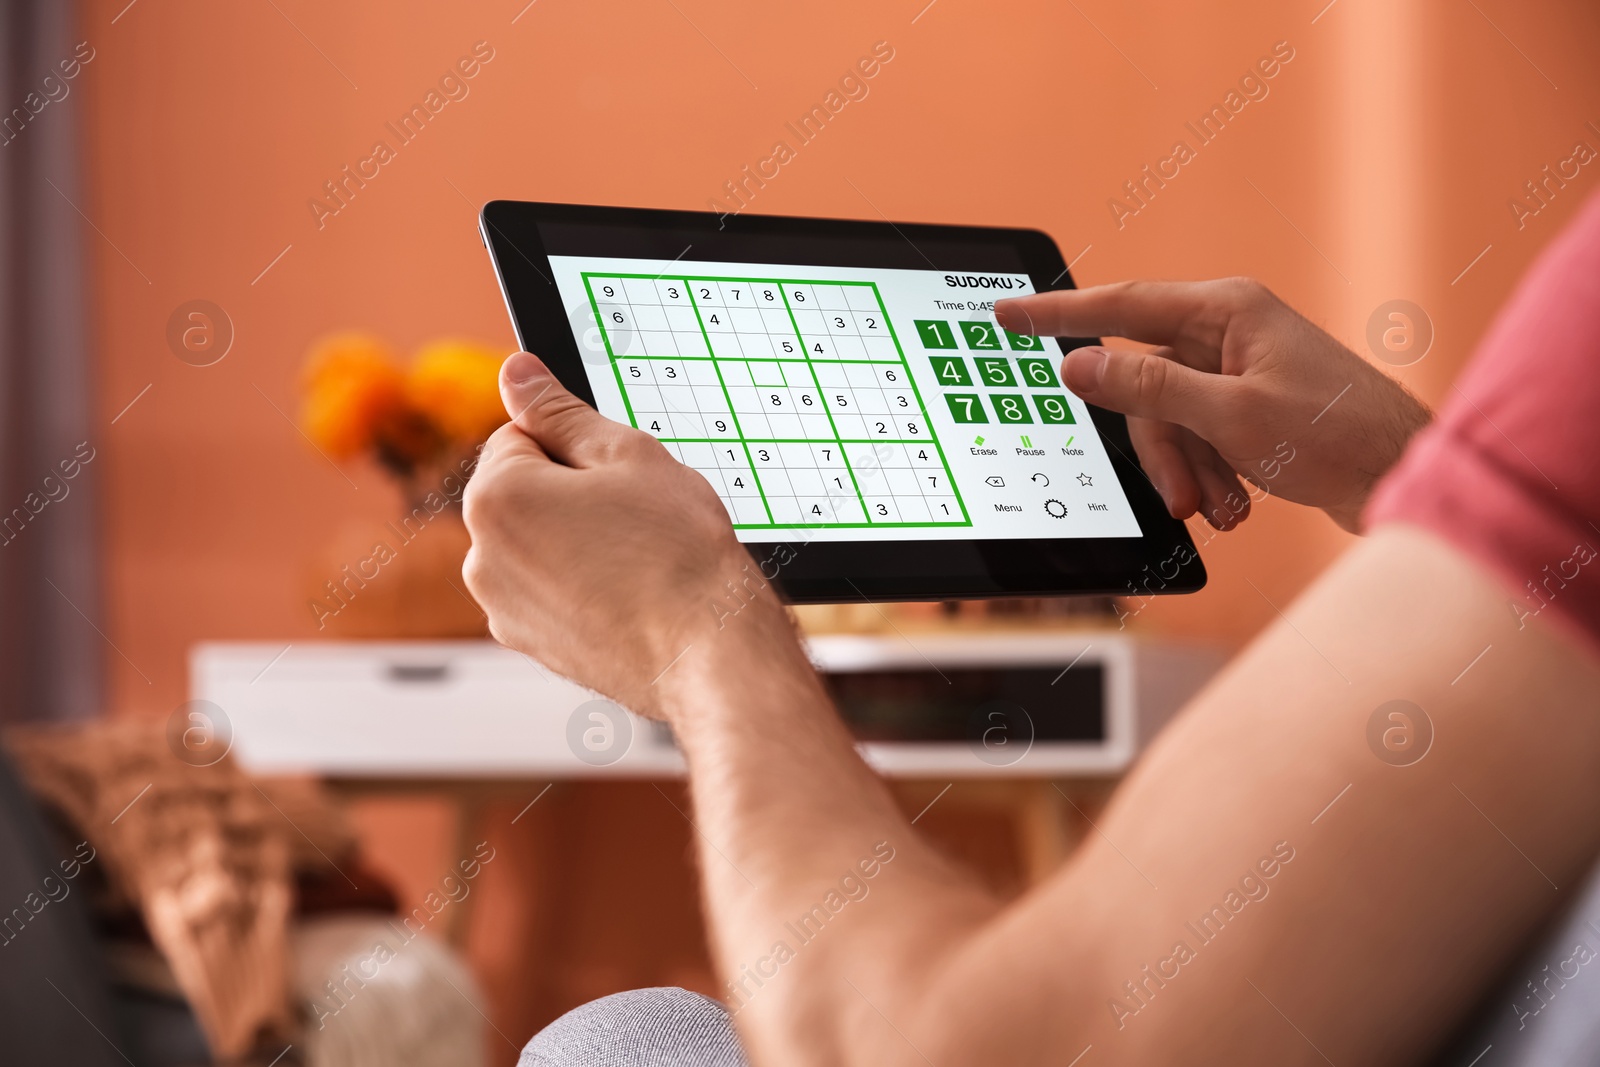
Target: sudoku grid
<point>792,397</point>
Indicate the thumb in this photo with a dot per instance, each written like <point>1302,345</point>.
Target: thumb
<point>567,429</point>
<point>1147,385</point>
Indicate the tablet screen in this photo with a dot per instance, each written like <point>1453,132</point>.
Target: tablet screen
<point>846,403</point>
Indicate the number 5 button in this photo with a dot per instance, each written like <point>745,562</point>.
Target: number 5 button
<point>995,371</point>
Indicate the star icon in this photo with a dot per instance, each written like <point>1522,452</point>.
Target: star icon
<point>1084,479</point>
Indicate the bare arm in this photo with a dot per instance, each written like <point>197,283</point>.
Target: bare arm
<point>1360,919</point>
<point>1373,900</point>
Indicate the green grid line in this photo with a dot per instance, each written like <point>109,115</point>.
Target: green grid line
<point>812,370</point>
<point>768,359</point>
<point>799,441</point>
<point>734,415</point>
<point>962,504</point>
<point>966,518</point>
<point>844,525</point>
<point>605,339</point>
<point>686,278</point>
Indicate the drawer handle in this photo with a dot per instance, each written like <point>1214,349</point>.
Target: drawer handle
<point>419,672</point>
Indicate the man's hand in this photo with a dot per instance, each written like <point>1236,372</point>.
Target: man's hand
<point>1241,385</point>
<point>592,548</point>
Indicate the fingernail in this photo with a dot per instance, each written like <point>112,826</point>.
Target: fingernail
<point>1085,367</point>
<point>523,367</point>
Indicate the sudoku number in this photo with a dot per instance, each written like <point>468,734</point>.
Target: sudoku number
<point>996,371</point>
<point>951,370</point>
<point>1038,372</point>
<point>980,335</point>
<point>935,334</point>
<point>1053,409</point>
<point>1010,408</point>
<point>1024,343</point>
<point>966,407</point>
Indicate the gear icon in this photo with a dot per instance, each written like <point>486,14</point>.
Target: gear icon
<point>1056,508</point>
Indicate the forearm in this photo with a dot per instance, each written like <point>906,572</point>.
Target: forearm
<point>818,892</point>
<point>1265,790</point>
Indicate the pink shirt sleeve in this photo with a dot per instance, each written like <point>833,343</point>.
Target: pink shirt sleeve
<point>1510,472</point>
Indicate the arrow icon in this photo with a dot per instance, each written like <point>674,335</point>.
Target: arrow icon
<point>1041,480</point>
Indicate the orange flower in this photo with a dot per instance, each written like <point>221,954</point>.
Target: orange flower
<point>455,383</point>
<point>352,387</point>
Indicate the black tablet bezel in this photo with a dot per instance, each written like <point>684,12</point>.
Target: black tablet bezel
<point>519,235</point>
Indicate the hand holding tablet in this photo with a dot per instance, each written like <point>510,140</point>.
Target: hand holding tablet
<point>593,548</point>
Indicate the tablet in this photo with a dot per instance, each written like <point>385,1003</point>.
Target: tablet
<point>844,387</point>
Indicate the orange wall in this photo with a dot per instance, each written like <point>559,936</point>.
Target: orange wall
<point>1389,145</point>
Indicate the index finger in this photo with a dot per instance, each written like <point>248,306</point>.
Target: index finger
<point>1160,313</point>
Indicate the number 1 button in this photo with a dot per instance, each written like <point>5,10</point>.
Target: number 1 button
<point>966,407</point>
<point>935,333</point>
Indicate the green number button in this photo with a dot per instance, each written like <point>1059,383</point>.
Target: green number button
<point>950,370</point>
<point>981,335</point>
<point>1038,373</point>
<point>1021,342</point>
<point>1054,409</point>
<point>1009,407</point>
<point>966,407</point>
<point>995,371</point>
<point>935,334</point>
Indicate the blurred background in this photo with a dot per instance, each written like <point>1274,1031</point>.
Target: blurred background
<point>188,156</point>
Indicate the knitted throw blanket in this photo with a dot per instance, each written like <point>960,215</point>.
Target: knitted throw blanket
<point>203,853</point>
